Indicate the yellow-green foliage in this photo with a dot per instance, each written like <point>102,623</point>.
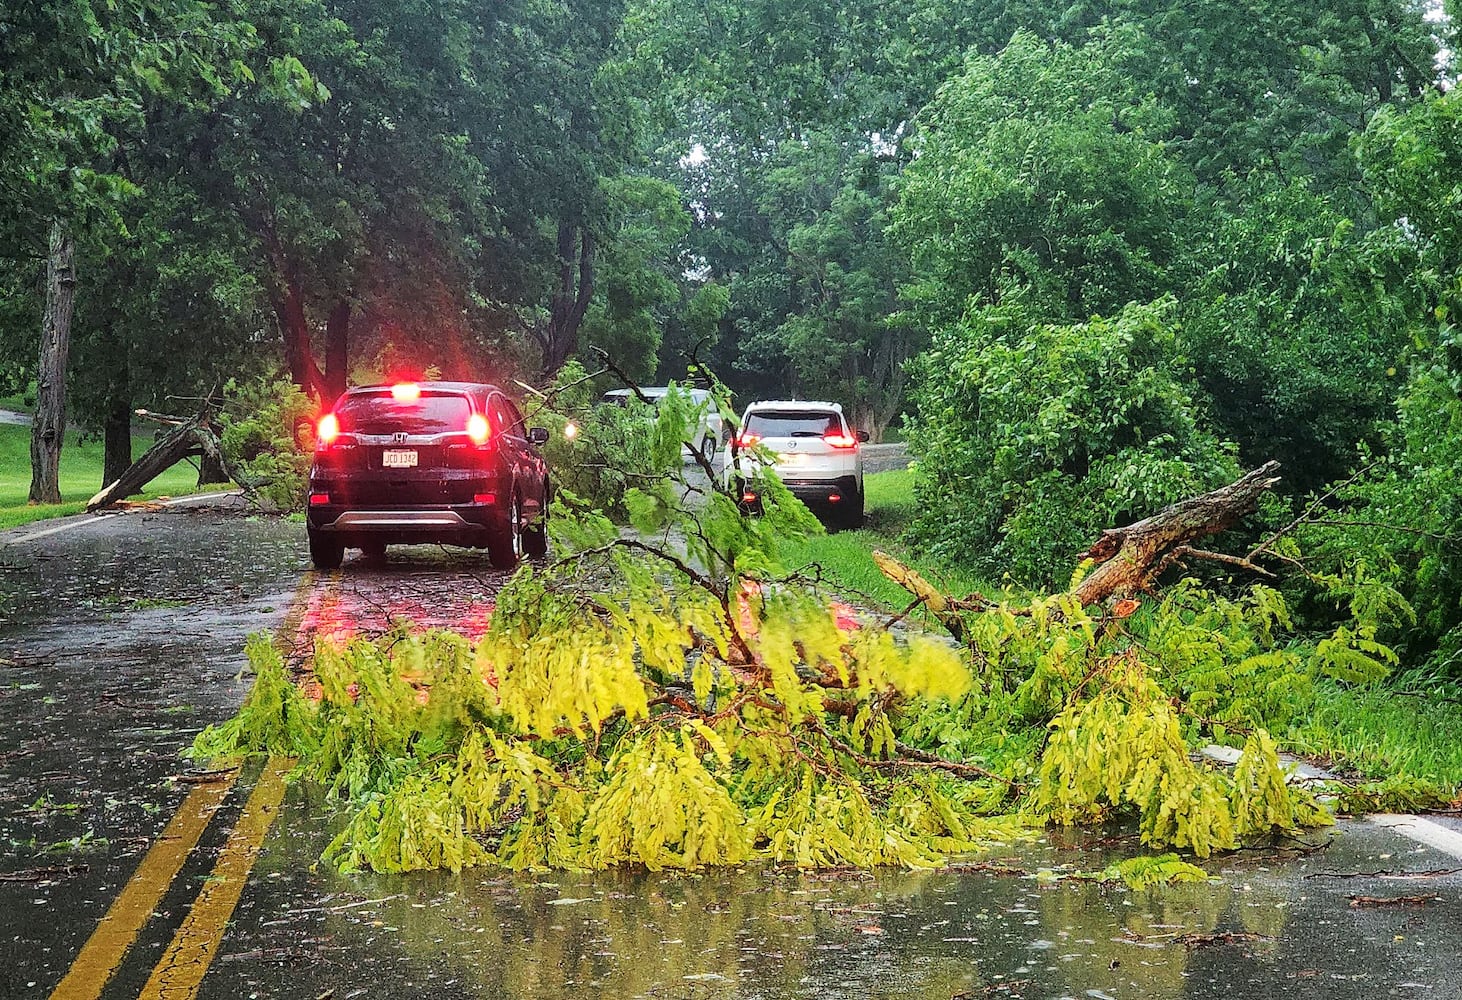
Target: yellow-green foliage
<point>1150,870</point>
<point>661,807</point>
<point>686,703</point>
<point>274,718</point>
<point>1123,750</point>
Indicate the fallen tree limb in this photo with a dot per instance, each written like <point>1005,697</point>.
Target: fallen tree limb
<point>194,435</point>
<point>1130,558</point>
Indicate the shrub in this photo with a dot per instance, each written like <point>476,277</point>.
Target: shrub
<point>1032,437</point>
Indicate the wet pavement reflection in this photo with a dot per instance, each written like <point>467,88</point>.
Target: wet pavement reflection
<point>120,640</point>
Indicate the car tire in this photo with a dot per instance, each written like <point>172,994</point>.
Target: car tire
<point>535,537</point>
<point>325,552</point>
<point>505,546</point>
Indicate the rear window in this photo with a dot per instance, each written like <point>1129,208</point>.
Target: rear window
<point>792,423</point>
<point>382,413</point>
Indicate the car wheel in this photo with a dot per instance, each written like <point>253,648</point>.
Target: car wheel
<point>505,547</point>
<point>325,552</point>
<point>535,536</point>
<point>708,446</point>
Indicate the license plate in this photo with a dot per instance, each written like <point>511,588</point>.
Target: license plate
<point>402,458</point>
<point>791,459</point>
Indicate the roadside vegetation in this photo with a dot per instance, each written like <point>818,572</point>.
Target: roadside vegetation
<point>81,478</point>
<point>1090,260</point>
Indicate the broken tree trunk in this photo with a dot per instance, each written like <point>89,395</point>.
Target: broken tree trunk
<point>192,436</point>
<point>1131,558</point>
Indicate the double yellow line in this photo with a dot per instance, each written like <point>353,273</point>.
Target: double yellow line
<point>180,972</point>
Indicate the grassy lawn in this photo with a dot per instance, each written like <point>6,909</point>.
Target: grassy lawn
<point>846,558</point>
<point>1378,732</point>
<point>81,477</point>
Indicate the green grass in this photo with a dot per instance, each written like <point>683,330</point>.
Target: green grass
<point>846,557</point>
<point>1378,732</point>
<point>81,477</point>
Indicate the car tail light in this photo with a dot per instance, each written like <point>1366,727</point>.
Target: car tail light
<point>834,497</point>
<point>840,440</point>
<point>747,440</point>
<point>478,429</point>
<point>406,392</point>
<point>319,499</point>
<point>484,498</point>
<point>327,431</point>
<point>748,497</point>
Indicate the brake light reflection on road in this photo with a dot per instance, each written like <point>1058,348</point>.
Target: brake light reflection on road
<point>327,430</point>
<point>478,429</point>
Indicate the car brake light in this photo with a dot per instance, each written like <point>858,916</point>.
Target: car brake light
<point>748,497</point>
<point>834,497</point>
<point>478,429</point>
<point>406,392</point>
<point>840,440</point>
<point>319,499</point>
<point>327,430</point>
<point>747,440</point>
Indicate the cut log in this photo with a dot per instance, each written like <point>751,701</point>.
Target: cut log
<point>193,436</point>
<point>1131,558</point>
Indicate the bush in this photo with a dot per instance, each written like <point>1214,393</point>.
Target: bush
<point>1033,437</point>
<point>268,427</point>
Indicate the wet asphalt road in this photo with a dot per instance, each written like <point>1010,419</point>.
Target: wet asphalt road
<point>120,639</point>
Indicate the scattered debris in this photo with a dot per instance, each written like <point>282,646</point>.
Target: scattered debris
<point>44,874</point>
<point>1193,941</point>
<point>1375,901</point>
<point>197,776</point>
<point>1432,873</point>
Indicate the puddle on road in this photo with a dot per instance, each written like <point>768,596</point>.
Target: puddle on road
<point>1261,931</point>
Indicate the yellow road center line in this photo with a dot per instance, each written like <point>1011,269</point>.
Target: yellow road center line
<point>103,952</point>
<point>180,972</point>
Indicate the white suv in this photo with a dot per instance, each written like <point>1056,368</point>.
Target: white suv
<point>817,456</point>
<point>704,434</point>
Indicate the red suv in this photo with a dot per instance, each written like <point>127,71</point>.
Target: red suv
<point>446,462</point>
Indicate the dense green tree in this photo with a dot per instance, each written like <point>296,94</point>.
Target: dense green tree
<point>76,78</point>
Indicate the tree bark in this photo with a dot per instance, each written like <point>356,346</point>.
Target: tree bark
<point>171,448</point>
<point>1131,558</point>
<point>48,430</point>
<point>559,339</point>
<point>337,352</point>
<point>117,436</point>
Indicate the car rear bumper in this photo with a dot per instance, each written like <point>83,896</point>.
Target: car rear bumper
<point>823,490</point>
<point>469,525</point>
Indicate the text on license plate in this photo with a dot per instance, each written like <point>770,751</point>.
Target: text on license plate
<point>398,458</point>
<point>785,459</point>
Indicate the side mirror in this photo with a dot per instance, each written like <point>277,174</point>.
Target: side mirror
<point>863,436</point>
<point>538,435</point>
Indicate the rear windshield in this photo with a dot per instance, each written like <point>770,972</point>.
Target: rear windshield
<point>792,423</point>
<point>382,413</point>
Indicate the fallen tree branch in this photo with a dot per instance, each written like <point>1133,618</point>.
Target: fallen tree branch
<point>1130,558</point>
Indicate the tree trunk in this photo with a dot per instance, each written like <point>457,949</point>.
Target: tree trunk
<point>559,340</point>
<point>294,328</point>
<point>184,439</point>
<point>337,352</point>
<point>1131,558</point>
<point>117,436</point>
<point>48,431</point>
